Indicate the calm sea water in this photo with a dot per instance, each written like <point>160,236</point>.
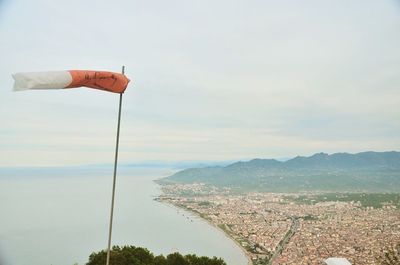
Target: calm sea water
<point>58,216</point>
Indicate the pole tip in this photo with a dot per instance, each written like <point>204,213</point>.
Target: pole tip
<point>123,69</point>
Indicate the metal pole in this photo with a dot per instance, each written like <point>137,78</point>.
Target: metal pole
<point>115,177</point>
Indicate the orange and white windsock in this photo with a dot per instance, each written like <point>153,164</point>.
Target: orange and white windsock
<point>108,81</point>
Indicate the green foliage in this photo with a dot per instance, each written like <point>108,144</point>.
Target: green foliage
<point>376,200</point>
<point>310,218</point>
<point>130,255</point>
<point>204,203</point>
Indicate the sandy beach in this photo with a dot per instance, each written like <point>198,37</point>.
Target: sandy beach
<point>246,253</point>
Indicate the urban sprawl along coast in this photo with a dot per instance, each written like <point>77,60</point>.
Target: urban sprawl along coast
<point>276,228</point>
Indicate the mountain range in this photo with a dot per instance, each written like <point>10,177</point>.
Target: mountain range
<point>344,172</point>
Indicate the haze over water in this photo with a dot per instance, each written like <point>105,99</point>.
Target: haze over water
<point>60,215</point>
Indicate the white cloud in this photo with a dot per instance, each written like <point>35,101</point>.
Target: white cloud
<point>211,80</point>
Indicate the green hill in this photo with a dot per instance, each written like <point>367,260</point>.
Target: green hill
<point>362,172</point>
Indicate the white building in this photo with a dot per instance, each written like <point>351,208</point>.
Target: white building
<point>337,261</point>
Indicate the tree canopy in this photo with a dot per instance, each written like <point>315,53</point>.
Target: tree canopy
<point>130,255</point>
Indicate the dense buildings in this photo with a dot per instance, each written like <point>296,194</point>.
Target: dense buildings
<point>278,229</point>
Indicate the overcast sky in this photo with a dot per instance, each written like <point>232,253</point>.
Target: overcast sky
<point>211,80</point>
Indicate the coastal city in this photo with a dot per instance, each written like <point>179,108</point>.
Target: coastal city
<point>275,228</point>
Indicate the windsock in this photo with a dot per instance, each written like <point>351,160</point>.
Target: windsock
<point>108,81</point>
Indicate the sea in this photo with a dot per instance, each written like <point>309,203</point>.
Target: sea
<point>60,215</point>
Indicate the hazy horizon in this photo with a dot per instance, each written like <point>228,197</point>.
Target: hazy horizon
<point>175,164</point>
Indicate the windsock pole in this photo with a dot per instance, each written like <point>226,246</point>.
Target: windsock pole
<point>114,177</point>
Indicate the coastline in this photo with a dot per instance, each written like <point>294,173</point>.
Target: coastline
<point>249,262</point>
<point>245,252</point>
